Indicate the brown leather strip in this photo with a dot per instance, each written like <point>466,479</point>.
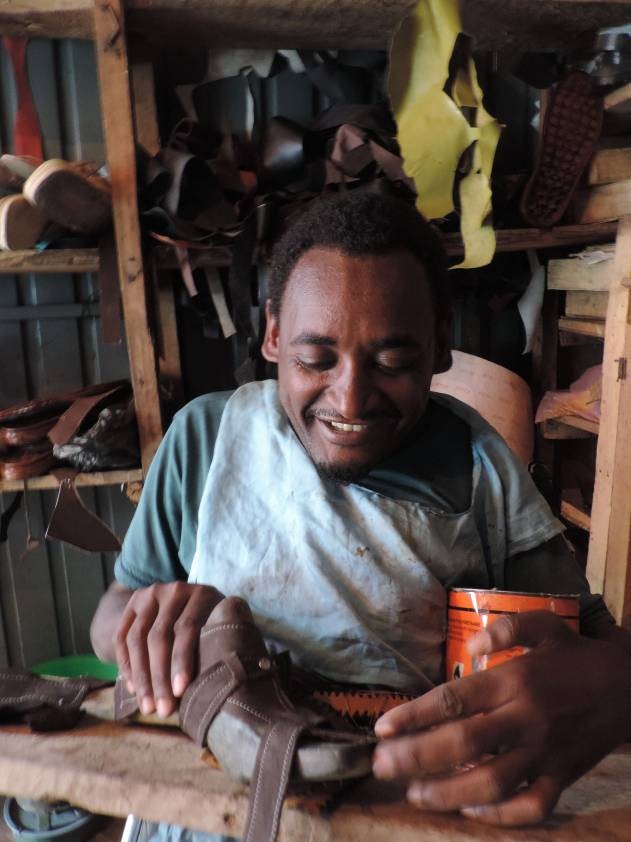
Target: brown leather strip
<point>73,417</point>
<point>23,434</point>
<point>72,522</point>
<point>269,782</point>
<point>29,462</point>
<point>204,698</point>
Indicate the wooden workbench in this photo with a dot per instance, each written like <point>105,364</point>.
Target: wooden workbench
<point>159,774</point>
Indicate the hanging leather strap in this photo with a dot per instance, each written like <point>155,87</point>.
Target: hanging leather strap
<point>72,522</point>
<point>27,133</point>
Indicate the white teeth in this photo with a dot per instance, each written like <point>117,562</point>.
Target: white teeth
<point>348,428</point>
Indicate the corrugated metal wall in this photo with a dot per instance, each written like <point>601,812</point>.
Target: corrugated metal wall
<point>47,599</point>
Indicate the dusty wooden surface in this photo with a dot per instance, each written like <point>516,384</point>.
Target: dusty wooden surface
<point>116,108</point>
<point>496,24</point>
<point>610,540</point>
<point>159,774</point>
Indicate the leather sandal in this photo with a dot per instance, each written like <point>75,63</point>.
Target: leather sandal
<point>236,707</point>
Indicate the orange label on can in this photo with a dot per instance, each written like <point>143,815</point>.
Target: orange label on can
<point>470,611</point>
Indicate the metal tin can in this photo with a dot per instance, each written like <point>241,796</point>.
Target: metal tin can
<point>469,611</point>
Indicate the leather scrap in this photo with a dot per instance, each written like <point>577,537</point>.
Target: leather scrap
<point>72,522</point>
<point>44,704</point>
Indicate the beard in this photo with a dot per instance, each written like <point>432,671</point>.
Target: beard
<point>342,474</point>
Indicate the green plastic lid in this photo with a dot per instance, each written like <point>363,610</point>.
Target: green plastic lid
<point>74,666</point>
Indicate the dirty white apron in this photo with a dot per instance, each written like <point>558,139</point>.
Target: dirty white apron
<point>350,581</point>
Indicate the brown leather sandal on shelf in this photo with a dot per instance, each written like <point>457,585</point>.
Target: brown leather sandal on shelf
<point>237,708</point>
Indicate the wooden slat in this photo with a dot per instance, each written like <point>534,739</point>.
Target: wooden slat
<point>98,478</point>
<point>147,133</point>
<point>49,262</point>
<point>161,775</point>
<point>610,541</point>
<point>495,24</point>
<point>116,107</point>
<point>519,239</point>
<point>575,516</point>
<point>569,427</point>
<point>584,327</point>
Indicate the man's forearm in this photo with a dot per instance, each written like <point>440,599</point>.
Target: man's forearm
<point>106,620</point>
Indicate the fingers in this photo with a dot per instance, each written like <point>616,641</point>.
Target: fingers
<point>528,629</point>
<point>157,641</point>
<point>186,637</point>
<point>138,654</point>
<point>444,748</point>
<point>464,697</point>
<point>529,806</point>
<point>487,783</point>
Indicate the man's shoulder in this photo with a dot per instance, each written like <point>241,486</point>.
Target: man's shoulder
<point>203,411</point>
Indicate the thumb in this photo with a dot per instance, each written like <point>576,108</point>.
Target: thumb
<point>532,628</point>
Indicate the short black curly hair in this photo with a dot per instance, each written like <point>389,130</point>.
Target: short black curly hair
<point>362,223</point>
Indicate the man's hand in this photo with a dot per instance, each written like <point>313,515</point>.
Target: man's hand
<point>157,640</point>
<point>528,728</point>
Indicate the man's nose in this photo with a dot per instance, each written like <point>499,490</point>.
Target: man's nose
<point>350,391</point>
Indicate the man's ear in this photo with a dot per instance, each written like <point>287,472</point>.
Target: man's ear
<point>269,348</point>
<point>442,353</point>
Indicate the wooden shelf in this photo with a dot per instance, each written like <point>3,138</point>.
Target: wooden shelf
<point>520,239</point>
<point>98,478</point>
<point>584,327</point>
<point>50,261</point>
<point>569,427</point>
<point>309,24</point>
<point>577,517</point>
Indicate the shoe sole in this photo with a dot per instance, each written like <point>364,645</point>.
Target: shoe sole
<point>21,225</point>
<point>571,131</point>
<point>68,198</point>
<point>235,746</point>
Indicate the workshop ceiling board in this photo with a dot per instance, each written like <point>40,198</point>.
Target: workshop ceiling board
<point>496,24</point>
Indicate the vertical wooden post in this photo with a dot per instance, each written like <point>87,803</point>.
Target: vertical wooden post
<point>610,539</point>
<point>111,54</point>
<point>148,135</point>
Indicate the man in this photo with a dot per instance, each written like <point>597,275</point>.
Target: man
<point>342,501</point>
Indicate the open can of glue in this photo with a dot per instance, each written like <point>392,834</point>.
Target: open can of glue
<point>470,611</point>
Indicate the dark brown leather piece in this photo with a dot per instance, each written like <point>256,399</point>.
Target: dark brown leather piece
<point>571,130</point>
<point>23,463</point>
<point>73,417</point>
<point>75,524</point>
<point>45,705</point>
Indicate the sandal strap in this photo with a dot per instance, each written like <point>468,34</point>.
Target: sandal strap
<point>269,782</point>
<point>206,695</point>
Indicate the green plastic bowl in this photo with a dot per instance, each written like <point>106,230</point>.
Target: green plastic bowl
<point>74,666</point>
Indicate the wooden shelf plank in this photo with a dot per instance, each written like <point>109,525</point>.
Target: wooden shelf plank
<point>311,24</point>
<point>98,478</point>
<point>577,517</point>
<point>584,327</point>
<point>569,427</point>
<point>51,261</point>
<point>520,239</point>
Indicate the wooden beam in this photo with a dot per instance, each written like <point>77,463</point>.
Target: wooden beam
<point>111,53</point>
<point>161,775</point>
<point>148,136</point>
<point>97,478</point>
<point>610,540</point>
<point>50,262</point>
<point>520,239</point>
<point>352,24</point>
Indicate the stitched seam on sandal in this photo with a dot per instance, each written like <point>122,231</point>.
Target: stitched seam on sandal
<point>199,687</point>
<point>258,783</point>
<point>289,753</point>
<point>254,712</point>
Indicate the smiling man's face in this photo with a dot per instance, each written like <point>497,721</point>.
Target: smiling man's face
<point>356,346</point>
